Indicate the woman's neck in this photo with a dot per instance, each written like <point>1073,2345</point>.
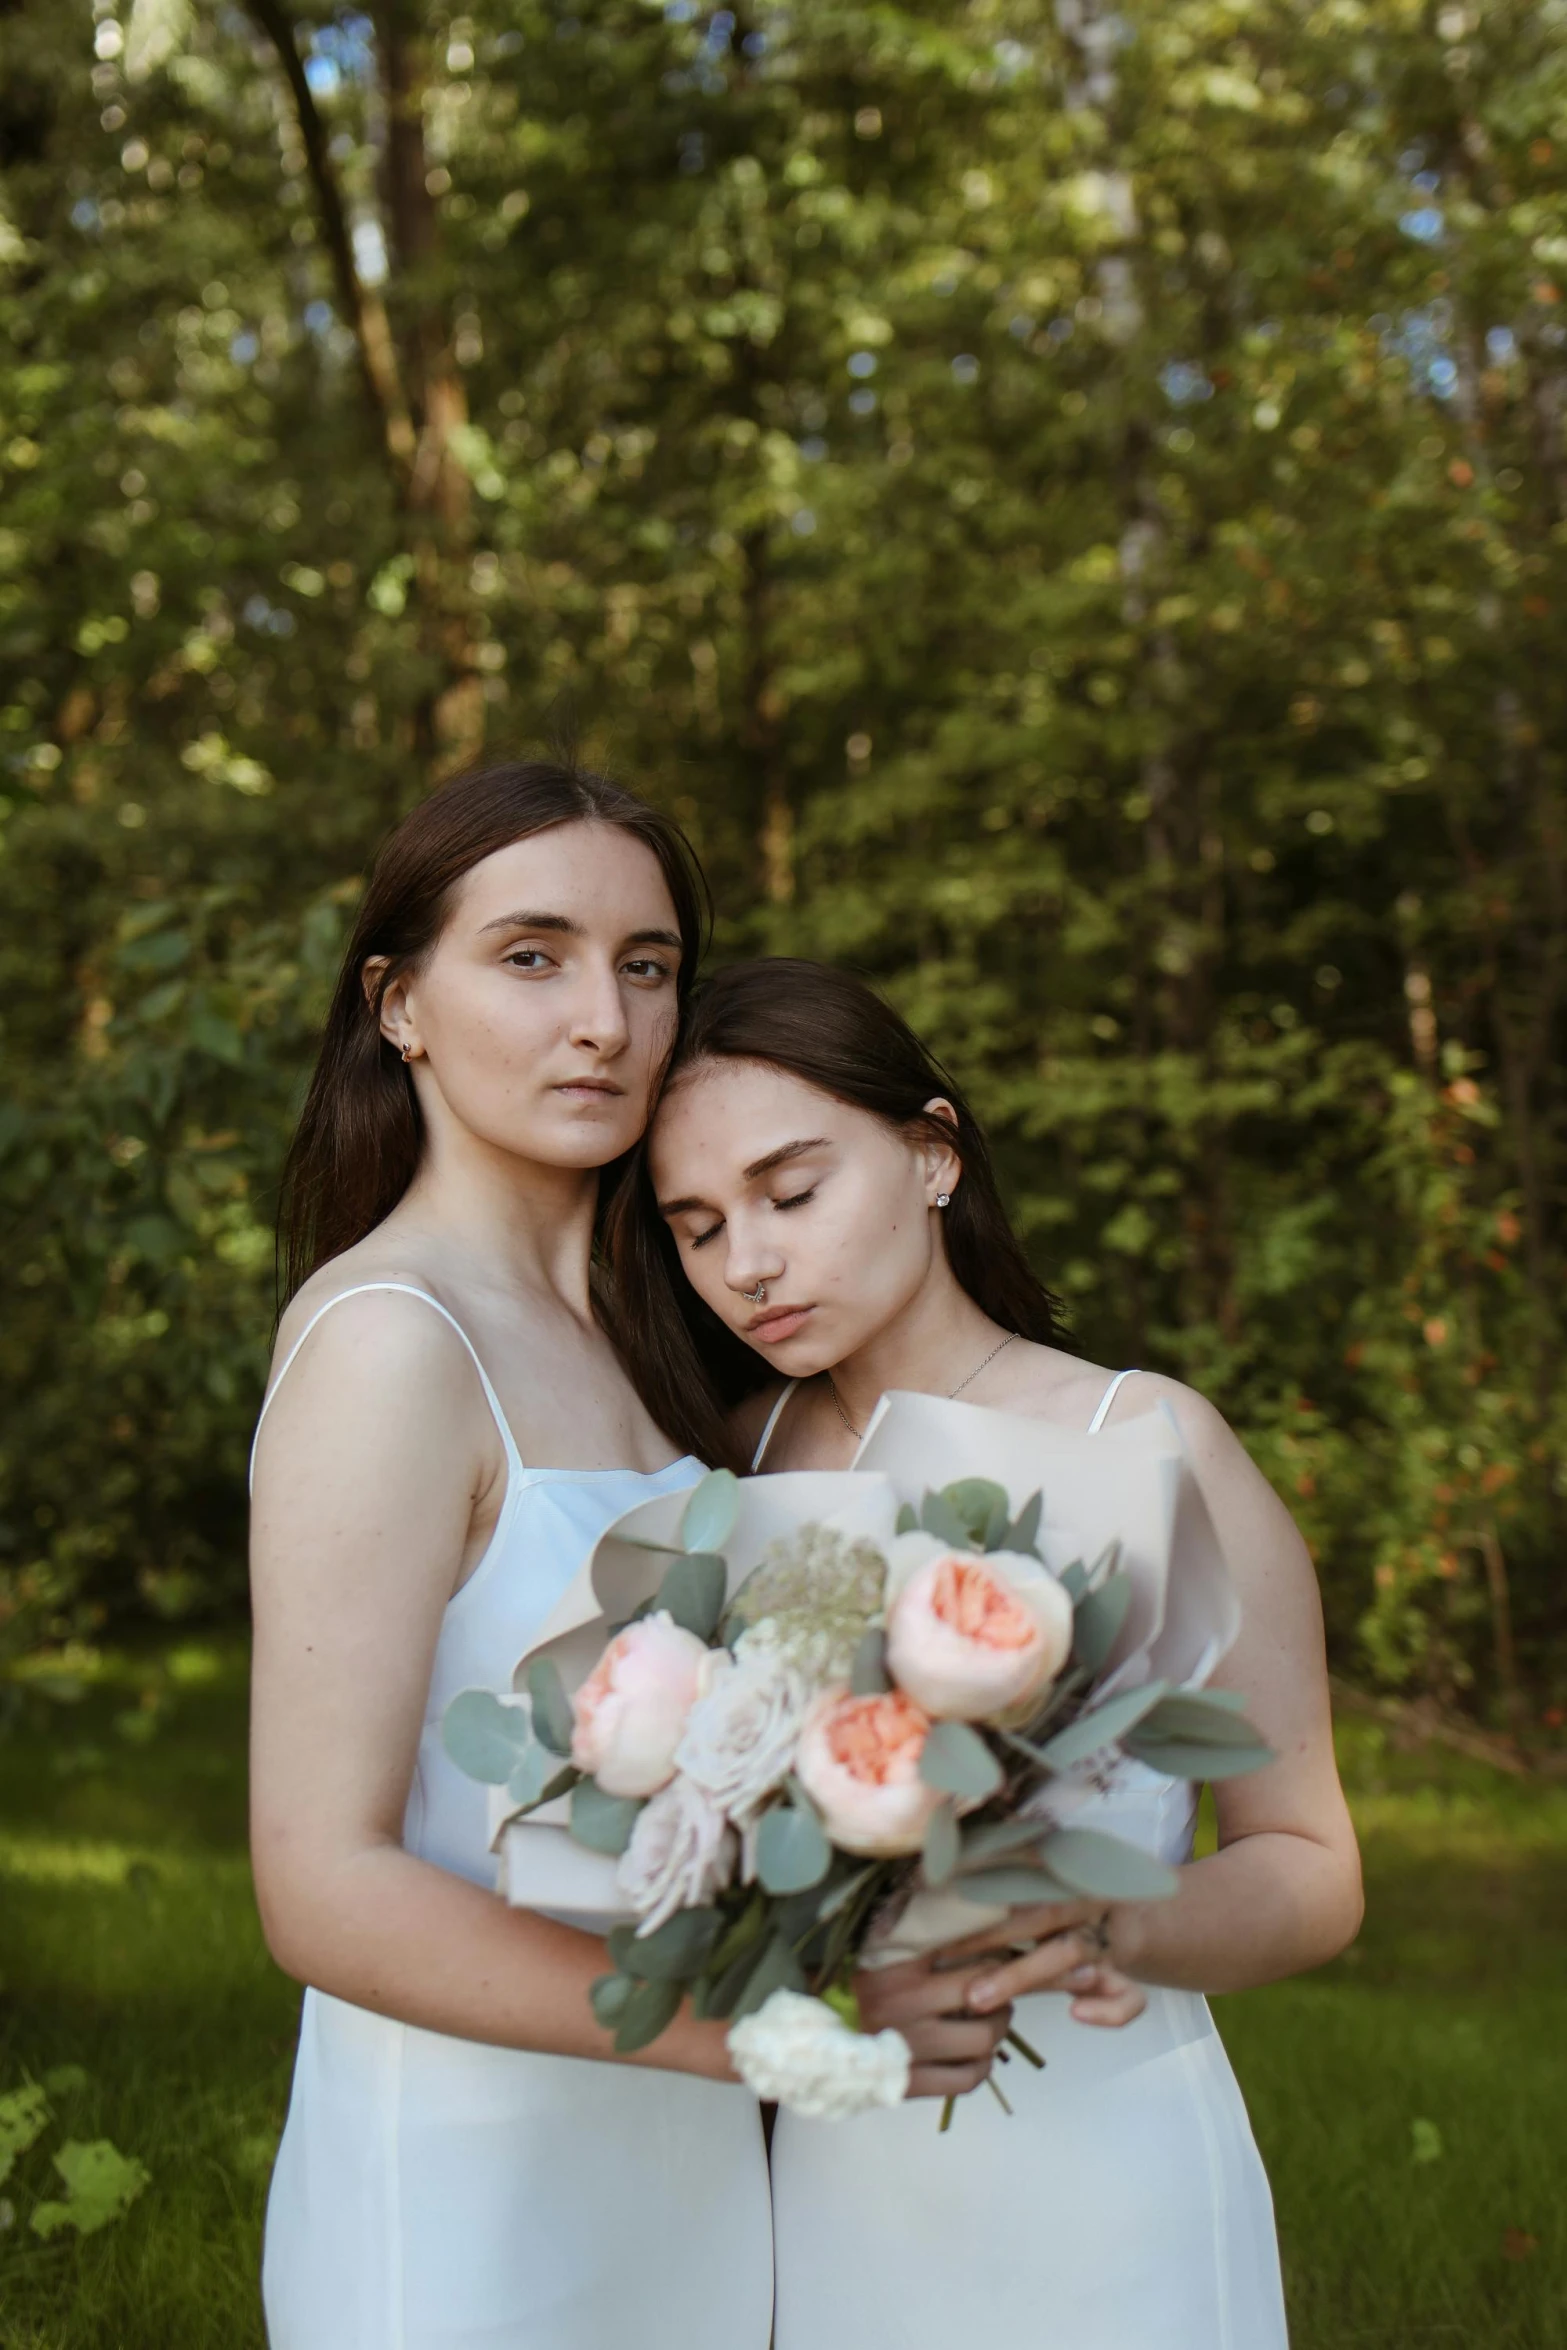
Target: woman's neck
<point>932,1345</point>
<point>521,1224</point>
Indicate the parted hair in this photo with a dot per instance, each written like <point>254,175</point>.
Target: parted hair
<point>359,1138</point>
<point>832,1030</point>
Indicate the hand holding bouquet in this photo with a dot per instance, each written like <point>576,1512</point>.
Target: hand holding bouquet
<point>816,1722</point>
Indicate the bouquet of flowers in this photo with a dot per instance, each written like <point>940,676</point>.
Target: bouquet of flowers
<point>782,1729</point>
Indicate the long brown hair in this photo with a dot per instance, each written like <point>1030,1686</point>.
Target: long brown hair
<point>833,1031</point>
<point>356,1147</point>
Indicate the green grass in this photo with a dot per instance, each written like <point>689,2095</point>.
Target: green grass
<point>129,1946</point>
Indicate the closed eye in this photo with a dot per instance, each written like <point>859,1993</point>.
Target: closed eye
<point>800,1199</point>
<point>701,1239</point>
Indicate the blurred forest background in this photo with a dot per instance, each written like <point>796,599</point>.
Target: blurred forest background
<point>1067,503</point>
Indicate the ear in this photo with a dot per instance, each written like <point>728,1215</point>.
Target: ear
<point>396,1018</point>
<point>943,1166</point>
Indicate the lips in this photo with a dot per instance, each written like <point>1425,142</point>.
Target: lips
<point>600,1086</point>
<point>776,1324</point>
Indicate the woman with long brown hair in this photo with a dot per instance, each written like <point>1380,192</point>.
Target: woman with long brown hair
<point>814,1221</point>
<point>448,1428</point>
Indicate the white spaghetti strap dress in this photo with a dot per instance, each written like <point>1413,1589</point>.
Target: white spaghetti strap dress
<point>1123,2207</point>
<point>436,2194</point>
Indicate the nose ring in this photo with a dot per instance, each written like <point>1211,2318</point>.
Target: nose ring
<point>756,1296</point>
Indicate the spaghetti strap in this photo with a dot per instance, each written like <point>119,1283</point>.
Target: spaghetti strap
<point>405,1289</point>
<point>773,1419</point>
<point>1108,1398</point>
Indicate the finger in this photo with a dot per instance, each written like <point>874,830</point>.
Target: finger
<point>946,2080</point>
<point>959,2043</point>
<point>1111,2004</point>
<point>1022,1926</point>
<point>926,1994</point>
<point>1044,1969</point>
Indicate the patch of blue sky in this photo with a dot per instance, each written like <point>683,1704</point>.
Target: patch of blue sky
<point>1426,224</point>
<point>1183,383</point>
<point>342,51</point>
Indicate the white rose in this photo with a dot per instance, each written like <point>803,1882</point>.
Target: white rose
<point>681,1853</point>
<point>740,1736</point>
<point>802,2053</point>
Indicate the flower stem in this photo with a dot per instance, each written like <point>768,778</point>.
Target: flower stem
<point>996,2091</point>
<point>947,2105</point>
<point>1023,2049</point>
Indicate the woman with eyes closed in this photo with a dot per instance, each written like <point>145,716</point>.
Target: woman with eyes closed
<point>814,1221</point>
<point>447,1431</point>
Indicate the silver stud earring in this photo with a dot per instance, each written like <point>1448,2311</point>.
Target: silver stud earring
<point>943,1199</point>
<point>408,1054</point>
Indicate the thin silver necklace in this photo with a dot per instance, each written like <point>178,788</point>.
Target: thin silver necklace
<point>952,1392</point>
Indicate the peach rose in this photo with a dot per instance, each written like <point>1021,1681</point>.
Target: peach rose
<point>977,1639</point>
<point>631,1710</point>
<point>859,1762</point>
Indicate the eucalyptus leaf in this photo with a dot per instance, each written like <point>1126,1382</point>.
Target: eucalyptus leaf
<point>957,1760</point>
<point>1097,1621</point>
<point>1015,1888</point>
<point>792,1853</point>
<point>538,1778</point>
<point>531,1772</point>
<point>1101,1727</point>
<point>938,1517</point>
<point>1023,1533</point>
<point>602,1822</point>
<point>679,1949</point>
<point>710,1514</point>
<point>483,1737</point>
<point>651,2008</point>
<point>997,1838</point>
<point>1074,1580</point>
<point>552,1717</point>
<point>1106,1867</point>
<point>608,1996</point>
<point>941,1848</point>
<point>868,1675</point>
<point>692,1592</point>
<point>1188,1758</point>
<point>980,1506</point>
<point>1207,1716</point>
<point>907,1520</point>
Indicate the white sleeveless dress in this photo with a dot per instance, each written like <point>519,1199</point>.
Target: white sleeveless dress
<point>437,2194</point>
<point>1124,2206</point>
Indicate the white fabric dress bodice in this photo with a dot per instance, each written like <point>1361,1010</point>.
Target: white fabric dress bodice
<point>440,2194</point>
<point>1123,2206</point>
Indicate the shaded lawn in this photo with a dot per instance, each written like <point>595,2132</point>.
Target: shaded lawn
<point>1411,2100</point>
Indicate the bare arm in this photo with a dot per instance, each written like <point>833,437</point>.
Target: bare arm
<point>1282,1893</point>
<point>374,1458</point>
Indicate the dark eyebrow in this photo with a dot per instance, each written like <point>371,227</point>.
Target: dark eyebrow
<point>526,921</point>
<point>564,927</point>
<point>777,1158</point>
<point>781,1158</point>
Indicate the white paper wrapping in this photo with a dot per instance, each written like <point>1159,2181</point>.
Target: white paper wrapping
<point>1131,1486</point>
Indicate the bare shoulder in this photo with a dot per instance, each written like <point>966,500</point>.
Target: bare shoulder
<point>1207,1434</point>
<point>372,1282</point>
<point>354,1344</point>
<point>1240,1496</point>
